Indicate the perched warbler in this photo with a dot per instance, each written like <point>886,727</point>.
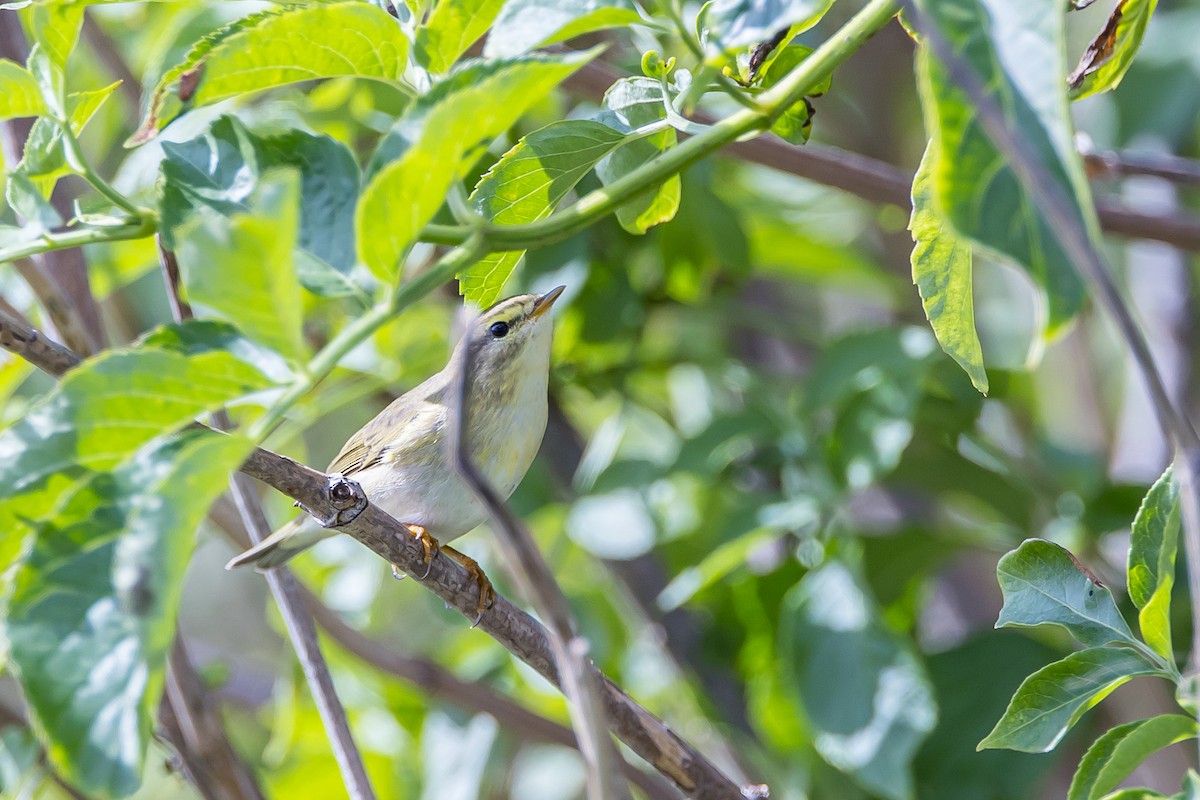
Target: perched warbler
<point>400,457</point>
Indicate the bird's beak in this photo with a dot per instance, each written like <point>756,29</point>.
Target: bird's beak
<point>545,301</point>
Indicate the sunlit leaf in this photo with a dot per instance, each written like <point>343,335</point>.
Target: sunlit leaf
<point>55,26</point>
<point>1109,55</point>
<point>1151,572</point>
<point>524,25</point>
<point>1043,584</point>
<point>526,185</point>
<point>1053,699</point>
<point>452,27</point>
<point>1016,50</point>
<point>277,47</point>
<point>19,92</point>
<point>864,692</point>
<point>633,103</point>
<point>1121,750</point>
<point>94,607</point>
<point>43,159</point>
<point>941,266</point>
<point>738,23</point>
<point>432,143</point>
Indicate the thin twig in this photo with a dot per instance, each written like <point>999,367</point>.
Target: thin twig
<point>516,631</point>
<point>1122,163</point>
<point>286,590</point>
<point>1092,268</point>
<point>576,672</point>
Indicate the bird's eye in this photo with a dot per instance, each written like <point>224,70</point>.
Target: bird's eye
<point>499,329</point>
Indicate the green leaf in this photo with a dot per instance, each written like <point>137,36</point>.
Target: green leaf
<point>1151,573</point>
<point>1115,755</point>
<point>193,181</point>
<point>1016,50</point>
<point>252,252</point>
<point>524,25</point>
<point>796,123</point>
<point>452,27</point>
<point>94,608</point>
<point>1043,584</point>
<point>19,757</point>
<point>941,267</point>
<point>1053,699</point>
<point>1109,55</point>
<point>433,144</point>
<point>43,158</point>
<point>864,692</point>
<point>632,103</point>
<point>275,48</point>
<point>526,185</point>
<point>735,24</point>
<point>55,26</point>
<point>19,92</point>
<point>208,336</point>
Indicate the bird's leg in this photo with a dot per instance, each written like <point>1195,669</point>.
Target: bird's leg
<point>428,544</point>
<point>487,594</point>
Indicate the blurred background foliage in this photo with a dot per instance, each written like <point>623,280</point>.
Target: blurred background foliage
<point>738,396</point>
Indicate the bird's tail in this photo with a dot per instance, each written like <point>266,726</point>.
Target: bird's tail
<point>299,534</point>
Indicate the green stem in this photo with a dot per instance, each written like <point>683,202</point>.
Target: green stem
<point>771,105</point>
<point>74,155</point>
<point>325,361</point>
<point>135,229</point>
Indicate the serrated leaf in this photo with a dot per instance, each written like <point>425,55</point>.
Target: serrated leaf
<point>274,48</point>
<point>1043,584</point>
<point>252,252</point>
<point>1050,701</point>
<point>94,606</point>
<point>733,24</point>
<point>221,168</point>
<point>525,25</point>
<point>1016,50</point>
<point>432,146</point>
<point>1108,57</point>
<point>526,184</point>
<point>864,693</point>
<point>941,269</point>
<point>629,104</point>
<point>452,27</point>
<point>1115,755</point>
<point>19,92</point>
<point>1151,571</point>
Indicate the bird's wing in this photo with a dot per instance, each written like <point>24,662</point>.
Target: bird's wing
<point>409,429</point>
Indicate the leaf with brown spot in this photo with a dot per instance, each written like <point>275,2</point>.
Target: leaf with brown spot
<point>1107,58</point>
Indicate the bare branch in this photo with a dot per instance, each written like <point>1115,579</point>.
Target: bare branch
<point>515,630</point>
<point>577,674</point>
<point>286,590</point>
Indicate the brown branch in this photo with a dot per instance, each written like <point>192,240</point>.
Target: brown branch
<point>578,675</point>
<point>516,631</point>
<point>880,182</point>
<point>286,590</point>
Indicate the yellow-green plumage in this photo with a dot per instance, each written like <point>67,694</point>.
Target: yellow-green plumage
<point>400,458</point>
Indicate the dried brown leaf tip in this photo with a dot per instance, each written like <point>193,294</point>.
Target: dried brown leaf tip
<point>1100,50</point>
<point>1091,576</point>
<point>188,82</point>
<point>1076,5</point>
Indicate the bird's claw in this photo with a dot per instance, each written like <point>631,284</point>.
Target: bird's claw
<point>487,593</point>
<point>429,546</point>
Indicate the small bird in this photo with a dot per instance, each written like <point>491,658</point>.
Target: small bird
<point>400,458</point>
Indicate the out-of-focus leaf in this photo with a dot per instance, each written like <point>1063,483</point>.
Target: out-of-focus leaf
<point>1043,584</point>
<point>277,47</point>
<point>614,525</point>
<point>55,27</point>
<point>526,185</point>
<point>251,252</point>
<point>1053,699</point>
<point>210,336</point>
<point>459,775</point>
<point>19,755</point>
<point>1109,55</point>
<point>715,565</point>
<point>222,168</point>
<point>864,693</point>
<point>524,25</point>
<point>19,92</point>
<point>43,158</point>
<point>941,267</point>
<point>478,102</point>
<point>1016,50</point>
<point>1116,754</point>
<point>632,103</point>
<point>1151,572</point>
<point>452,27</point>
<point>737,23</point>
<point>94,606</point>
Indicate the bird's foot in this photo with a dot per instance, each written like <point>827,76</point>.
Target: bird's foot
<point>487,594</point>
<point>429,546</point>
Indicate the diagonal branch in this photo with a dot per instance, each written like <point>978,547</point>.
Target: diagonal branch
<point>515,630</point>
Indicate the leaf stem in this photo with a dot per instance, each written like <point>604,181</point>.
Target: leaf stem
<point>771,105</point>
<point>75,158</point>
<point>138,228</point>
